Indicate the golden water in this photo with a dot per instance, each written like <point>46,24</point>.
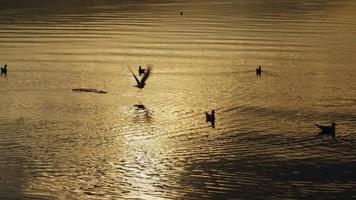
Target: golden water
<point>58,144</point>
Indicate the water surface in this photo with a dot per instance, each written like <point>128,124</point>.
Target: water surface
<point>59,144</point>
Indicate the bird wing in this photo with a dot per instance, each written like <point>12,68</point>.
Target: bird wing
<point>322,128</point>
<point>319,126</point>
<point>138,81</point>
<point>147,74</point>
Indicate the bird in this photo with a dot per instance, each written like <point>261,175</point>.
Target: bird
<point>181,13</point>
<point>210,118</point>
<point>141,71</point>
<point>141,83</point>
<point>328,130</point>
<point>258,71</point>
<point>4,70</point>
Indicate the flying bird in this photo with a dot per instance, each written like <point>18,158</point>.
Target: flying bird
<point>328,130</point>
<point>141,83</point>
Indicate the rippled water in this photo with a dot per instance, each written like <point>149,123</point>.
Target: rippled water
<point>59,144</point>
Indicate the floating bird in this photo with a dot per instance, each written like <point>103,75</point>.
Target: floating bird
<point>258,71</point>
<point>141,71</point>
<point>141,83</point>
<point>181,13</point>
<point>4,70</point>
<point>328,130</point>
<point>210,118</point>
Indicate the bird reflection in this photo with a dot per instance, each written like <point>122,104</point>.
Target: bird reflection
<point>210,118</point>
<point>328,130</point>
<point>142,114</point>
<point>140,106</point>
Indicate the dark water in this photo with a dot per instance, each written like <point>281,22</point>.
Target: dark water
<point>58,144</point>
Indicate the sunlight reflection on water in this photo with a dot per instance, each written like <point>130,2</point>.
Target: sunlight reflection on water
<point>59,144</point>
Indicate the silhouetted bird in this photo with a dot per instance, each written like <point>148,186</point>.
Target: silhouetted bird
<point>4,70</point>
<point>141,83</point>
<point>259,71</point>
<point>210,118</point>
<point>328,130</point>
<point>181,13</point>
<point>141,71</point>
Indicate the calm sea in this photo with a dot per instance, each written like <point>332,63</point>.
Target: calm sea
<point>59,144</point>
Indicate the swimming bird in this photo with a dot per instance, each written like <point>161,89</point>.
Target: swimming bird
<point>258,71</point>
<point>210,118</point>
<point>4,70</point>
<point>328,130</point>
<point>141,71</point>
<point>141,83</point>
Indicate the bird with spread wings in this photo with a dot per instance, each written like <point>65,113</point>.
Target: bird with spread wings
<point>141,83</point>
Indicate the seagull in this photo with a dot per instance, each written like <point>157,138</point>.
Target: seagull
<point>141,83</point>
<point>210,118</point>
<point>258,71</point>
<point>4,70</point>
<point>328,130</point>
